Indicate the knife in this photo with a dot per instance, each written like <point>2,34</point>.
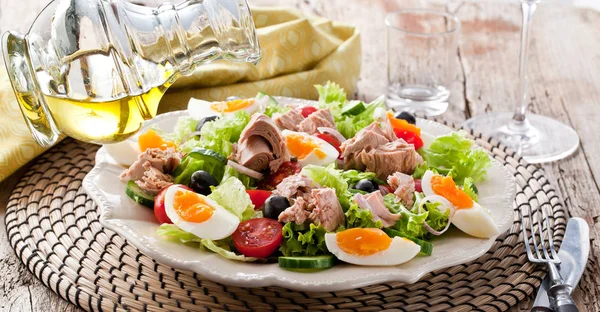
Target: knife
<point>573,255</point>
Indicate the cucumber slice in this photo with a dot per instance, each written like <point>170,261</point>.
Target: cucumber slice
<point>306,264</point>
<point>138,195</point>
<point>207,155</point>
<point>353,108</point>
<point>426,247</point>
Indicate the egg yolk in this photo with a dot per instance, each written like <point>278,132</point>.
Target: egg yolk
<point>191,207</point>
<point>363,242</point>
<point>152,139</point>
<point>445,187</point>
<point>231,106</point>
<point>300,147</point>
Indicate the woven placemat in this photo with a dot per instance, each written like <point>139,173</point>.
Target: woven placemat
<point>54,229</point>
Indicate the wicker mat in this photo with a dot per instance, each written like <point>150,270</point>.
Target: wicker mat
<point>54,229</point>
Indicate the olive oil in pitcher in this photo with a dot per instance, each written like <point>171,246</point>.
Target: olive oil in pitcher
<point>96,69</point>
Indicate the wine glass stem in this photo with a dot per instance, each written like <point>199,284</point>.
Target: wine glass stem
<point>519,118</point>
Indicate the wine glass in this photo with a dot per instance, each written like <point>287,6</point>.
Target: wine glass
<point>536,138</point>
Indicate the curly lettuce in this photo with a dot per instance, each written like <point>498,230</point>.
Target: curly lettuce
<point>303,240</point>
<point>453,155</point>
<point>410,223</point>
<point>333,97</point>
<point>332,178</point>
<point>357,217</point>
<point>219,135</point>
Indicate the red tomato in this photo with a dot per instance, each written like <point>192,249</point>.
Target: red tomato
<point>159,205</point>
<point>286,169</point>
<point>331,140</point>
<point>307,110</point>
<point>410,138</point>
<point>258,197</point>
<point>258,237</point>
<point>418,186</point>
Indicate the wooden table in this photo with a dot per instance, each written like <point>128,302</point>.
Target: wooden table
<point>564,76</point>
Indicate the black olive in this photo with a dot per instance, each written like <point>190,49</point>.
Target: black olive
<point>203,121</point>
<point>366,186</point>
<point>274,206</point>
<point>406,116</point>
<point>201,181</point>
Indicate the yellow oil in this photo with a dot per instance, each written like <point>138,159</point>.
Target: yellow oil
<point>104,122</point>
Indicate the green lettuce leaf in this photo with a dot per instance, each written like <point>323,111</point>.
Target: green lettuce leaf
<point>410,223</point>
<point>220,134</point>
<point>329,177</point>
<point>436,219</point>
<point>184,126</point>
<point>357,217</point>
<point>353,176</point>
<point>231,194</point>
<point>333,97</point>
<point>454,152</point>
<point>303,240</point>
<point>221,247</point>
<point>471,190</point>
<point>247,181</point>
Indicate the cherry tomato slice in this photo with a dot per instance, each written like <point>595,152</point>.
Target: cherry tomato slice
<point>307,110</point>
<point>159,204</point>
<point>258,197</point>
<point>418,186</point>
<point>410,138</point>
<point>286,169</point>
<point>258,237</point>
<point>331,140</point>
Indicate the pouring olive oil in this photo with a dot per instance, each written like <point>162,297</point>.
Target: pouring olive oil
<point>95,70</point>
<point>105,121</point>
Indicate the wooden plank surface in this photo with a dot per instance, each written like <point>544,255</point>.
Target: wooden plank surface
<point>564,84</point>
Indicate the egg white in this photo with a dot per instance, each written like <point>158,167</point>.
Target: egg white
<point>401,250</point>
<point>125,153</point>
<point>331,154</point>
<point>220,225</point>
<point>475,221</point>
<point>199,109</point>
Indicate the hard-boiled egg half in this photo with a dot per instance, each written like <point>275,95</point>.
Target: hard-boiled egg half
<point>125,153</point>
<point>309,149</point>
<point>198,214</point>
<point>365,246</point>
<point>469,217</point>
<point>199,108</point>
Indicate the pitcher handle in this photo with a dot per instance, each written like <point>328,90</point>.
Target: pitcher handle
<point>27,91</point>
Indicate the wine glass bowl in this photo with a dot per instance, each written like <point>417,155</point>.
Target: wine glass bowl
<point>536,138</point>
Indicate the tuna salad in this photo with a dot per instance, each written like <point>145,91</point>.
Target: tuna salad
<point>309,186</point>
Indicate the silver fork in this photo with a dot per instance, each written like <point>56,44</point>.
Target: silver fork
<point>559,292</point>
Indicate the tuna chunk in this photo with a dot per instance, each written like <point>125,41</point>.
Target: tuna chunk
<point>327,210</point>
<point>251,151</point>
<point>165,161</point>
<point>153,179</point>
<point>257,155</point>
<point>377,150</point>
<point>404,187</point>
<point>296,186</point>
<point>374,202</point>
<point>289,121</point>
<point>320,118</point>
<point>297,213</point>
<point>396,156</point>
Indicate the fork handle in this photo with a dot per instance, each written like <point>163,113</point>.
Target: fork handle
<point>559,292</point>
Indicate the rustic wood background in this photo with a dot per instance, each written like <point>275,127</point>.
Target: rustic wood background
<point>564,84</point>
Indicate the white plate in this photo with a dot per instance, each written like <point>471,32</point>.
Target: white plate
<point>138,225</point>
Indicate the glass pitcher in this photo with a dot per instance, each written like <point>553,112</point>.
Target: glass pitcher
<point>96,69</point>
